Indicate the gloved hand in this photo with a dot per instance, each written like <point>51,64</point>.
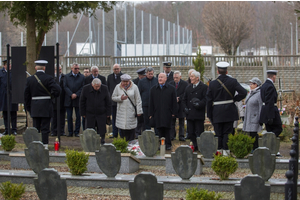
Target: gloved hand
<point>186,110</point>
<point>270,121</point>
<point>196,104</point>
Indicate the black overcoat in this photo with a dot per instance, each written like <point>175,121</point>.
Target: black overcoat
<point>72,85</point>
<point>180,93</point>
<point>41,107</point>
<point>3,92</point>
<point>190,95</point>
<point>145,85</point>
<point>162,105</point>
<point>111,84</point>
<point>215,93</point>
<point>62,94</point>
<point>95,106</point>
<point>136,81</point>
<point>90,78</point>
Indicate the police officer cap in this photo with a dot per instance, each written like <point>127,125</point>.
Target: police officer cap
<point>256,81</point>
<point>141,71</point>
<point>222,65</point>
<point>125,77</point>
<point>272,72</point>
<point>4,61</point>
<point>41,62</point>
<point>167,64</point>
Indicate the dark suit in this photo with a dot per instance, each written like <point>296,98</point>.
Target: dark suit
<point>112,81</point>
<point>196,113</point>
<point>140,125</point>
<point>180,89</point>
<point>73,84</point>
<point>90,78</point>
<point>223,115</point>
<point>38,102</point>
<point>162,106</point>
<point>3,102</point>
<point>95,106</point>
<point>269,111</point>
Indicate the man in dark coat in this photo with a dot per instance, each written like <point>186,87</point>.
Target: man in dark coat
<point>95,106</point>
<point>113,80</point>
<point>145,85</point>
<point>62,111</point>
<point>73,84</point>
<point>162,107</point>
<point>3,101</point>
<point>39,90</point>
<point>269,114</point>
<point>221,109</point>
<point>168,71</point>
<point>194,105</point>
<point>180,86</point>
<point>95,74</point>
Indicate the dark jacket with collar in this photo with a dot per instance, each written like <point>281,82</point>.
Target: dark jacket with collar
<point>62,94</point>
<point>145,85</point>
<point>3,92</point>
<point>90,78</point>
<point>111,84</point>
<point>180,93</point>
<point>72,85</point>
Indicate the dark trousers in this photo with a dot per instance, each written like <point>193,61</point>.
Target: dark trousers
<point>42,124</point>
<point>181,128</point>
<point>83,123</point>
<point>195,128</point>
<point>13,118</point>
<point>62,114</point>
<point>139,129</point>
<point>222,130</point>
<point>102,135</point>
<point>128,134</point>
<point>165,132</point>
<point>114,115</point>
<point>146,118</point>
<point>70,120</point>
<point>254,135</point>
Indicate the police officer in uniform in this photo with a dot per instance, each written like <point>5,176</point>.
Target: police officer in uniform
<point>39,90</point>
<point>141,74</point>
<point>221,109</point>
<point>168,71</point>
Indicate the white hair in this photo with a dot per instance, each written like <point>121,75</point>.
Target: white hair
<point>94,67</point>
<point>196,74</point>
<point>177,72</point>
<point>96,81</point>
<point>191,70</point>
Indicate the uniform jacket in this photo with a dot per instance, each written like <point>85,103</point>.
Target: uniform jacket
<point>112,82</point>
<point>90,78</point>
<point>72,85</point>
<point>62,94</point>
<point>215,93</point>
<point>3,92</point>
<point>253,104</point>
<point>136,81</point>
<point>195,93</point>
<point>169,78</point>
<point>126,119</point>
<point>180,93</point>
<point>145,85</point>
<point>95,106</point>
<point>162,105</point>
<point>41,107</point>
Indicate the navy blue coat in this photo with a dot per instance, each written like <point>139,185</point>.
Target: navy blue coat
<point>145,85</point>
<point>3,92</point>
<point>73,85</point>
<point>180,93</point>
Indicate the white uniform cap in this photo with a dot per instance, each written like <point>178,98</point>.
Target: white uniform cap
<point>222,64</point>
<point>41,62</point>
<point>272,72</point>
<point>125,77</point>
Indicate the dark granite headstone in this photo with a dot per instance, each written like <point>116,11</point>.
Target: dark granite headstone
<point>252,187</point>
<point>207,144</point>
<point>270,141</point>
<point>31,134</point>
<point>90,140</point>
<point>262,162</point>
<point>109,160</point>
<point>184,161</point>
<point>49,185</point>
<point>37,156</point>
<point>146,187</point>
<point>149,143</point>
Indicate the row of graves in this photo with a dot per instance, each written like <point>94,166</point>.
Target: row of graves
<point>109,168</point>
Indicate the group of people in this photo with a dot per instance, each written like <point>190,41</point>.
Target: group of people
<point>147,101</point>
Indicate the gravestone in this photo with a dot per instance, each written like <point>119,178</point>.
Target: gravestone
<point>37,156</point>
<point>31,134</point>
<point>90,140</point>
<point>252,187</point>
<point>184,161</point>
<point>149,143</point>
<point>49,185</point>
<point>262,162</point>
<point>146,187</point>
<point>207,144</point>
<point>109,160</point>
<point>270,141</point>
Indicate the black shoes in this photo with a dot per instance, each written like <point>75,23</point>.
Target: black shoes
<point>181,139</point>
<point>168,148</point>
<point>77,135</point>
<point>13,133</point>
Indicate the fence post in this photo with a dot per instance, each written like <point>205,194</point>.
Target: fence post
<point>265,66</point>
<point>112,64</point>
<point>161,59</point>
<point>213,67</point>
<point>64,67</point>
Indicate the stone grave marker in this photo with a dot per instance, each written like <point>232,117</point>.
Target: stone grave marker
<point>184,161</point>
<point>146,187</point>
<point>49,185</point>
<point>270,141</point>
<point>207,144</point>
<point>149,143</point>
<point>31,134</point>
<point>262,162</point>
<point>37,156</point>
<point>90,140</point>
<point>252,187</point>
<point>109,160</point>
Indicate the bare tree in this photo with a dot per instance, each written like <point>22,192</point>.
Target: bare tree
<point>228,23</point>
